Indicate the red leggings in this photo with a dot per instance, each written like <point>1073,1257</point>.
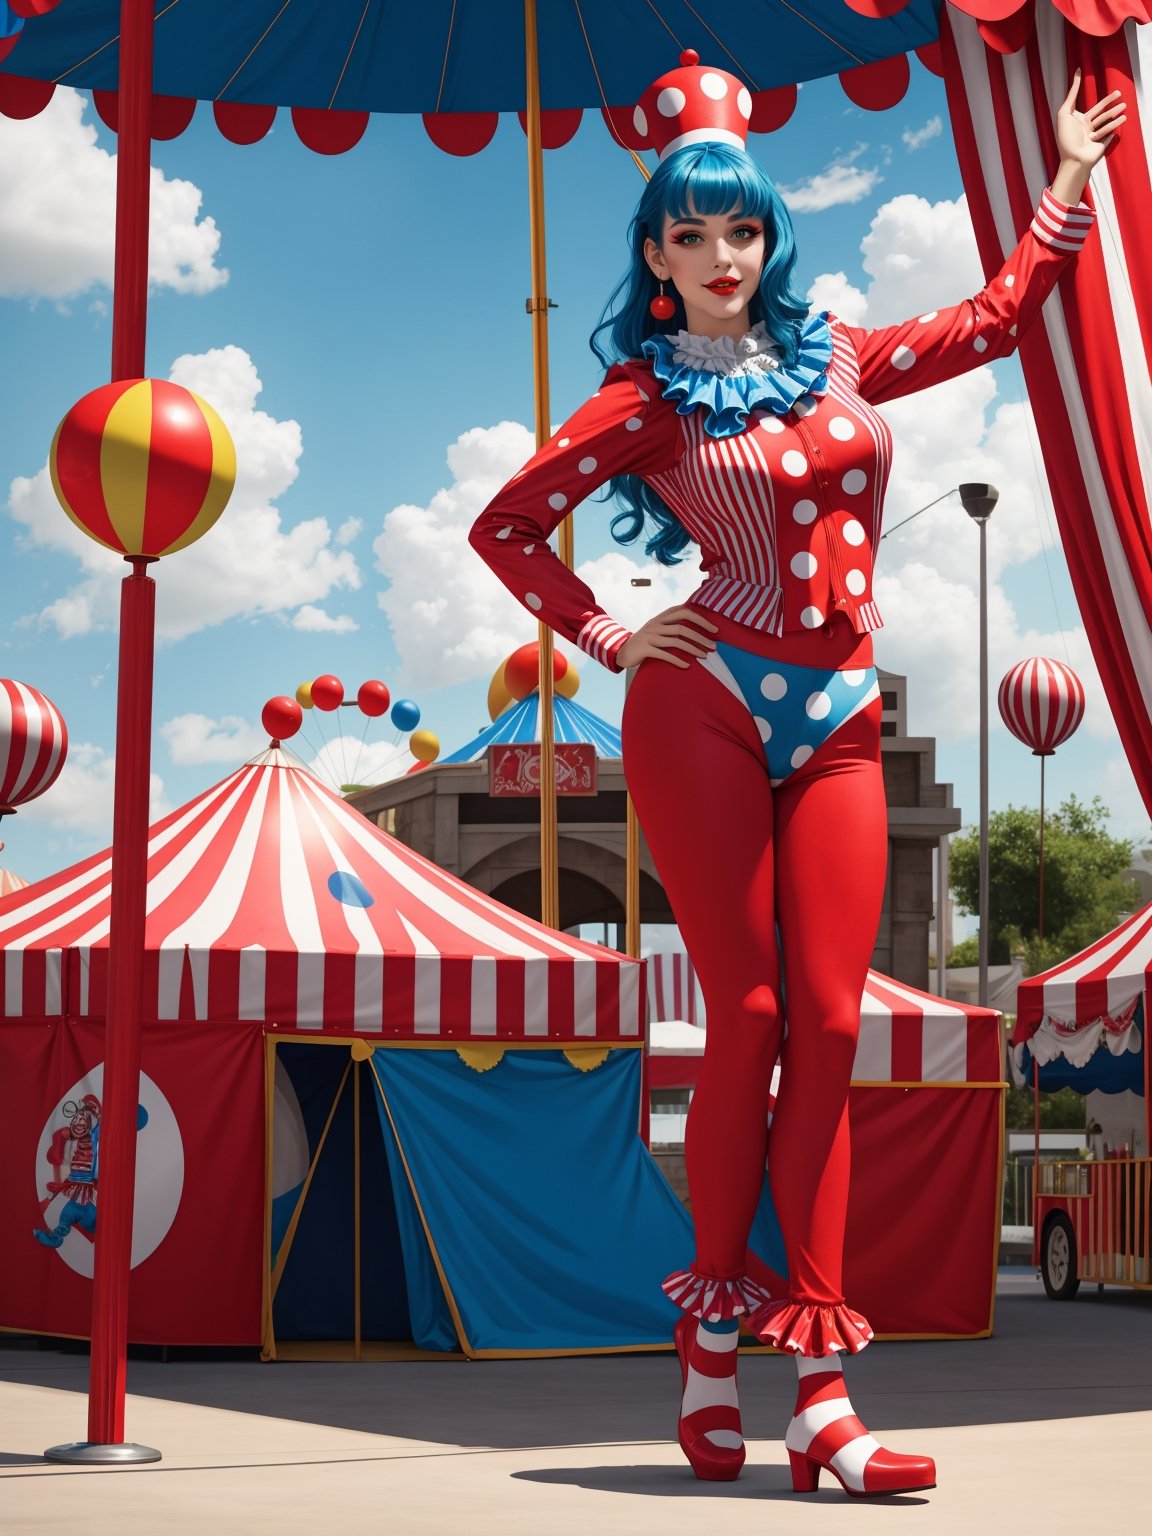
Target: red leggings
<point>736,858</point>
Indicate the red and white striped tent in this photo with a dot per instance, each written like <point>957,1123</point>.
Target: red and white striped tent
<point>280,919</point>
<point>925,1104</point>
<point>1089,1002</point>
<point>270,900</point>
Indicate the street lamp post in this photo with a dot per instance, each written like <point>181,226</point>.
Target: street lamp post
<point>978,503</point>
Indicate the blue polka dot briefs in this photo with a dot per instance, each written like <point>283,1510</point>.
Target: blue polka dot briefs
<point>795,709</point>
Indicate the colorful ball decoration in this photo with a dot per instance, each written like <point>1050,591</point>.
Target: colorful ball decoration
<point>498,696</point>
<point>33,744</point>
<point>1041,702</point>
<point>568,685</point>
<point>281,717</point>
<point>304,696</point>
<point>327,692</point>
<point>143,466</point>
<point>405,715</point>
<point>373,698</point>
<point>522,669</point>
<point>424,746</point>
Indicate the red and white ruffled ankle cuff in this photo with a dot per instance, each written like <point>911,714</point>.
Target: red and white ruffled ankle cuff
<point>712,1299</point>
<point>804,1329</point>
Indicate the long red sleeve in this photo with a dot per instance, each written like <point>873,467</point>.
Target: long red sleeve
<point>613,433</point>
<point>900,359</point>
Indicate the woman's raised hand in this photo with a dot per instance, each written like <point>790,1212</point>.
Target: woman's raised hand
<point>670,636</point>
<point>1083,137</point>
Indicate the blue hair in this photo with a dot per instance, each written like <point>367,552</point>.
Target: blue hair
<point>701,180</point>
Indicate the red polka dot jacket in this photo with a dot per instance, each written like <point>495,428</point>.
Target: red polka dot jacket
<point>787,511</point>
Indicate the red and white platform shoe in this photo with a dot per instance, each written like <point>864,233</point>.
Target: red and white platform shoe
<point>709,1429</point>
<point>826,1436</point>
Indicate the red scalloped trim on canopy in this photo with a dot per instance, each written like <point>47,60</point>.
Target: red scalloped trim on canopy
<point>877,10</point>
<point>714,1299</point>
<point>556,126</point>
<point>8,43</point>
<point>29,8</point>
<point>170,114</point>
<point>242,122</point>
<point>932,58</point>
<point>772,109</point>
<point>803,1329</point>
<point>878,86</point>
<point>21,97</point>
<point>328,133</point>
<point>461,133</point>
<point>620,123</point>
<point>1099,18</point>
<point>1010,35</point>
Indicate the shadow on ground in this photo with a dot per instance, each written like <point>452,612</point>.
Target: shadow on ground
<point>1047,1360</point>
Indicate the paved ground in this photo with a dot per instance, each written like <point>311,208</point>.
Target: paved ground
<point>1045,1428</point>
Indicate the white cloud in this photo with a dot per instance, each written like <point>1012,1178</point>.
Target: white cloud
<point>452,620</point>
<point>350,529</point>
<point>81,798</point>
<point>194,739</point>
<point>57,189</point>
<point>248,564</point>
<point>832,291</point>
<point>842,181</point>
<point>313,620</point>
<point>349,760</point>
<point>916,138</point>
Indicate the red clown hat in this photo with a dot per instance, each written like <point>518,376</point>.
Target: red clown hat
<point>691,105</point>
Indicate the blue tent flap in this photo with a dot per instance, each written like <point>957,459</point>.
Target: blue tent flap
<point>552,1224</point>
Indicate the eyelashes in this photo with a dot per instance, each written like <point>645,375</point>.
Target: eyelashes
<point>742,232</point>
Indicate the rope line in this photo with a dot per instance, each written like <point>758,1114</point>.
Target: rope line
<point>348,55</point>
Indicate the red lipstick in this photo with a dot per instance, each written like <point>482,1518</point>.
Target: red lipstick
<point>723,285</point>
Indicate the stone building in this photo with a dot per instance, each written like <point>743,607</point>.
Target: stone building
<point>446,813</point>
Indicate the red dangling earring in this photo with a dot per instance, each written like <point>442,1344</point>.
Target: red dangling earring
<point>662,307</point>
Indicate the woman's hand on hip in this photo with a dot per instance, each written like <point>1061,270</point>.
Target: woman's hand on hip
<point>670,636</point>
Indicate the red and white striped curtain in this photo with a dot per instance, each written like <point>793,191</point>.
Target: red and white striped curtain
<point>1088,360</point>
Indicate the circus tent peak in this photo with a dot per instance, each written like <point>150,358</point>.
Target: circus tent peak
<point>271,899</point>
<point>520,725</point>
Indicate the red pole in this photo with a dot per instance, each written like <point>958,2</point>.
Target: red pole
<point>117,1167</point>
<point>133,173</point>
<point>116,1177</point>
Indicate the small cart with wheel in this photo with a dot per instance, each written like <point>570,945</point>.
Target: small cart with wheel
<point>1081,1025</point>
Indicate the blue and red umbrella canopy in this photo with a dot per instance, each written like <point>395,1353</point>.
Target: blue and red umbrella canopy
<point>461,55</point>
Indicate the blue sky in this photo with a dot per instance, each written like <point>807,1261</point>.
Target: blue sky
<point>378,297</point>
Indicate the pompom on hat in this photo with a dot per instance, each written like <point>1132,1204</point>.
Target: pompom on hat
<point>693,105</point>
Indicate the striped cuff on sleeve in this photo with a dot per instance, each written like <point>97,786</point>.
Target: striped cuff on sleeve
<point>1063,228</point>
<point>601,638</point>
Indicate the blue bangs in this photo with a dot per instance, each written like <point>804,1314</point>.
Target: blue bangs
<point>701,179</point>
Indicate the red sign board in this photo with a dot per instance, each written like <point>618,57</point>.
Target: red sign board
<point>515,770</point>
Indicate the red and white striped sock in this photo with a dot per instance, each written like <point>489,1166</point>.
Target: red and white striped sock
<point>710,1384</point>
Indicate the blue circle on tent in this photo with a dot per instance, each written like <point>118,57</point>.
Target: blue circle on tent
<point>348,889</point>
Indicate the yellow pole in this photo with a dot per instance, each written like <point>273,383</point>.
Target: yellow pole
<point>538,306</point>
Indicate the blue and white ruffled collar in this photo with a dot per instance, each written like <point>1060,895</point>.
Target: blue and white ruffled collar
<point>730,378</point>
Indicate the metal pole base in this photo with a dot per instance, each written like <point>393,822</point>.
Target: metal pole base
<point>90,1453</point>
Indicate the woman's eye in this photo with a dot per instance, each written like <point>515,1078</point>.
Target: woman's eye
<point>746,231</point>
<point>689,237</point>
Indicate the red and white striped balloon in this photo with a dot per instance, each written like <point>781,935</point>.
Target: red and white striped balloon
<point>1041,702</point>
<point>33,743</point>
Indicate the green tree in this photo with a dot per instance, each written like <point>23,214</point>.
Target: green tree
<point>1084,887</point>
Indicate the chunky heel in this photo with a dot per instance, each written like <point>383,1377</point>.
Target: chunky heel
<point>805,1473</point>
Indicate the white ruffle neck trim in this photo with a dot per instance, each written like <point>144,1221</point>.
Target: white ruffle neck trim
<point>754,352</point>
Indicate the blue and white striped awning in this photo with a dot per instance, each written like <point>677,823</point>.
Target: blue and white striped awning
<point>521,723</point>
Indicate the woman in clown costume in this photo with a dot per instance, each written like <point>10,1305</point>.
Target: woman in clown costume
<point>732,419</point>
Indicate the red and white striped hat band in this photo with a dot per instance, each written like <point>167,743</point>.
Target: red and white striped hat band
<point>693,105</point>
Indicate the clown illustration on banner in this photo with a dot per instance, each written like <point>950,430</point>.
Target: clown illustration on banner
<point>68,1173</point>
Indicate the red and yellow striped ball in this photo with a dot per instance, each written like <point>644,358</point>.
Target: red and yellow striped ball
<point>143,466</point>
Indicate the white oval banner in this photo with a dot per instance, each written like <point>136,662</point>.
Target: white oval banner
<point>68,1172</point>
